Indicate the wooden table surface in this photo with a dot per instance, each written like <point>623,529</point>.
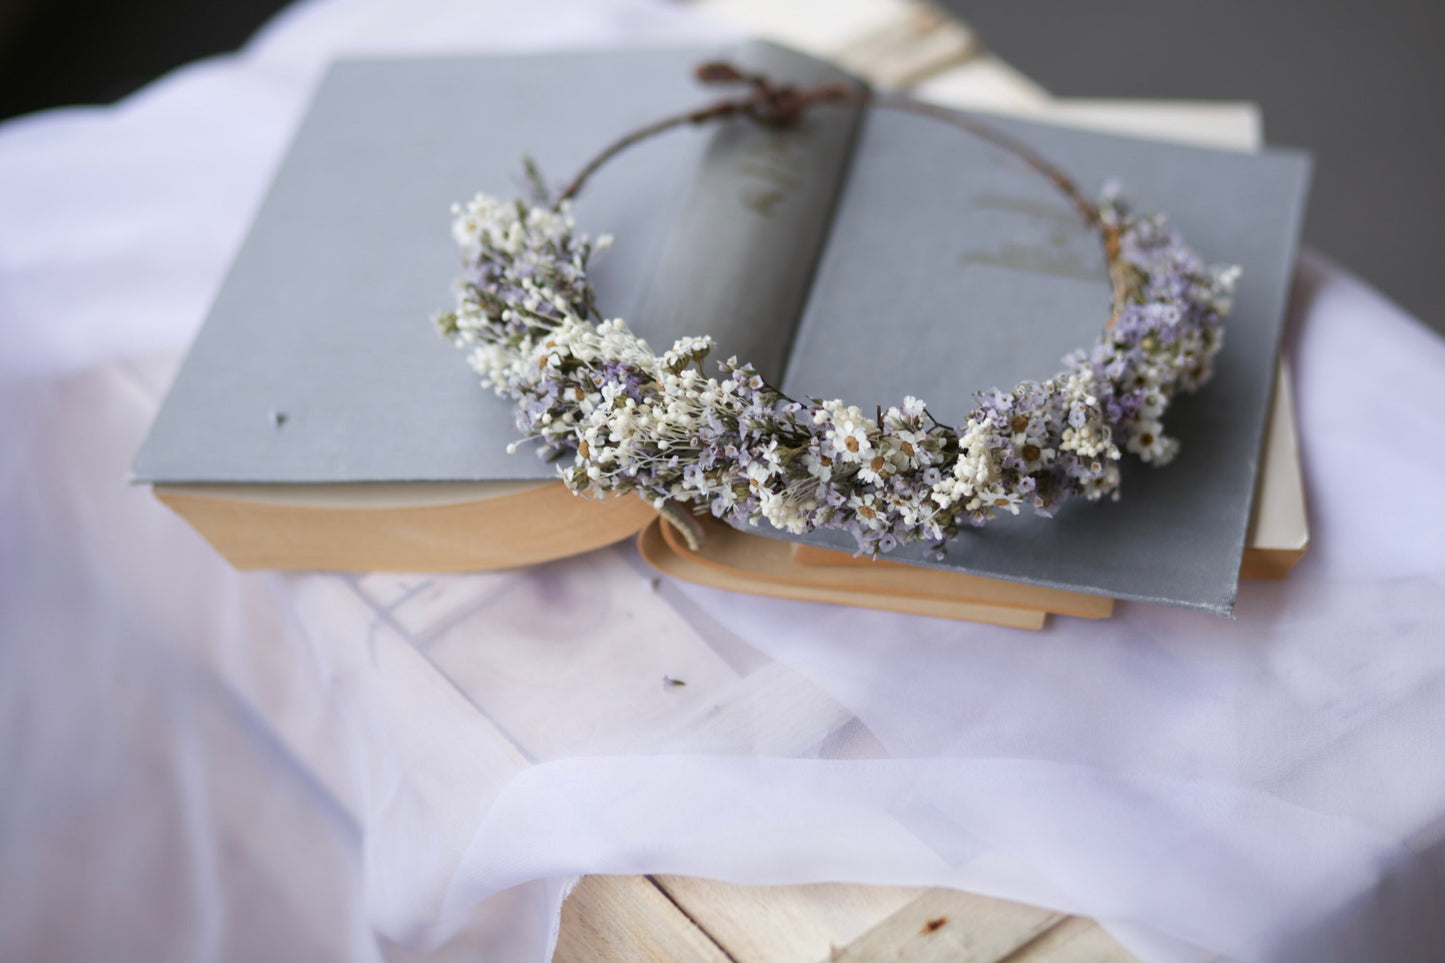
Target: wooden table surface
<point>610,919</point>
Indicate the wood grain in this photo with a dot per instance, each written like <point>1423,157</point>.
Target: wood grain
<point>622,919</point>
<point>609,919</point>
<point>948,926</point>
<point>785,924</point>
<point>1074,940</point>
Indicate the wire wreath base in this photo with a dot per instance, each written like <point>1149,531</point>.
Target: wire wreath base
<point>619,417</point>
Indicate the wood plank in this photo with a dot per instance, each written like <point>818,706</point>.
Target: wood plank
<point>950,926</point>
<point>920,42</point>
<point>891,43</point>
<point>1075,940</point>
<point>785,924</point>
<point>623,919</point>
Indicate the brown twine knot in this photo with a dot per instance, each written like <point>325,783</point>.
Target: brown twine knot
<point>770,104</point>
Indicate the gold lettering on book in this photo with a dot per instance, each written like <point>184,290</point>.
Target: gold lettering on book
<point>1061,247</point>
<point>1021,257</point>
<point>772,168</point>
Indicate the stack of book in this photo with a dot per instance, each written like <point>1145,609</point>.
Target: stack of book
<point>319,423</point>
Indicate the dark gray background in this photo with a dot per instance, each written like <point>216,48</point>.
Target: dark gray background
<point>1362,85</point>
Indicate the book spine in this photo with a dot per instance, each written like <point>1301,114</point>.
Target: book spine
<point>739,259</point>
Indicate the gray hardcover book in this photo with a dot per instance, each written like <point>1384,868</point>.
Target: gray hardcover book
<point>865,255</point>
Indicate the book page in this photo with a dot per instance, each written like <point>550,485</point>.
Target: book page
<point>740,255</point>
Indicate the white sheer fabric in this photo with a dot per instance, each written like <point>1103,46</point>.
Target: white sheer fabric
<point>202,764</point>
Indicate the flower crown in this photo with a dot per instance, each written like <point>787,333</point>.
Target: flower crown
<point>735,446</point>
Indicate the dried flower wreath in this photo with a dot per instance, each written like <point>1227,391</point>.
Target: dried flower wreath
<point>734,445</point>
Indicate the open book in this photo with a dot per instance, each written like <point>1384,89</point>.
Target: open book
<point>864,256</point>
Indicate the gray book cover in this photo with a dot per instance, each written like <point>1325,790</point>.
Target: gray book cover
<point>865,255</point>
